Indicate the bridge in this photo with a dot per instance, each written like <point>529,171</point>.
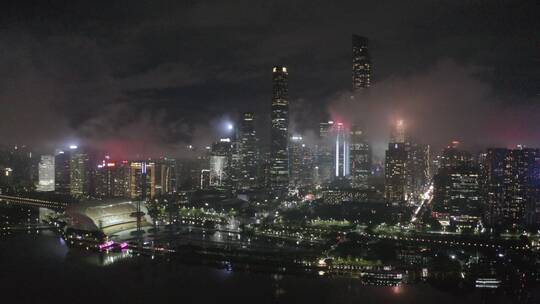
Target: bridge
<point>33,202</point>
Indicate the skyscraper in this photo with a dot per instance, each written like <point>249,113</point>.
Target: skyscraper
<point>247,141</point>
<point>79,173</point>
<point>301,162</point>
<point>361,63</point>
<point>62,172</point>
<point>112,179</point>
<point>418,163</point>
<point>407,167</point>
<point>136,182</point>
<point>325,159</point>
<point>279,164</point>
<point>220,160</point>
<point>457,192</point>
<point>511,184</point>
<point>396,169</point>
<point>165,176</point>
<point>395,190</point>
<point>360,158</point>
<point>341,151</point>
<point>46,173</point>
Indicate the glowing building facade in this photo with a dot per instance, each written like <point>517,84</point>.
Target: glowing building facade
<point>301,162</point>
<point>46,173</point>
<point>137,171</point>
<point>79,173</point>
<point>511,186</point>
<point>112,179</point>
<point>341,151</point>
<point>279,134</point>
<point>360,154</point>
<point>220,163</point>
<point>325,160</point>
<point>248,152</point>
<point>62,172</point>
<point>166,176</point>
<point>361,63</point>
<point>395,190</point>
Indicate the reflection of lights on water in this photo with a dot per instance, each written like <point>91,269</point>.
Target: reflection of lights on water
<point>113,258</point>
<point>396,289</point>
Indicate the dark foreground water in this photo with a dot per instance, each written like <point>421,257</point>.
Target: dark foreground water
<point>39,268</point>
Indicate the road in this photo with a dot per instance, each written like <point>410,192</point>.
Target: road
<point>427,198</point>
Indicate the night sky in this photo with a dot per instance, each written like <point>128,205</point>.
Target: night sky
<point>149,77</point>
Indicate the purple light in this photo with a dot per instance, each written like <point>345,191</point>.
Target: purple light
<point>124,245</point>
<point>106,245</point>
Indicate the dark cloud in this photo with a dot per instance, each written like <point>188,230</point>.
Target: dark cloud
<point>157,75</point>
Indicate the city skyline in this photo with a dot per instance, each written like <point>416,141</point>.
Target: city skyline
<point>270,152</point>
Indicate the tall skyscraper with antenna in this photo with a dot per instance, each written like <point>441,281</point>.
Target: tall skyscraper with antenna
<point>279,163</point>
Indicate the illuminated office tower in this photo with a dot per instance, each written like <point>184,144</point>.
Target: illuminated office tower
<point>396,174</point>
<point>456,173</point>
<point>360,154</point>
<point>220,156</point>
<point>457,192</point>
<point>300,162</point>
<point>46,173</point>
<point>279,134</point>
<point>341,151</point>
<point>248,152</point>
<point>112,179</point>
<point>418,168</point>
<point>138,169</point>
<point>79,173</point>
<point>325,159</point>
<point>396,166</point>
<point>62,172</point>
<point>165,176</point>
<point>104,179</point>
<point>361,63</point>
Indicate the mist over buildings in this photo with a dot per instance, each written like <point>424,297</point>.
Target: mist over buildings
<point>127,82</point>
<point>447,101</point>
